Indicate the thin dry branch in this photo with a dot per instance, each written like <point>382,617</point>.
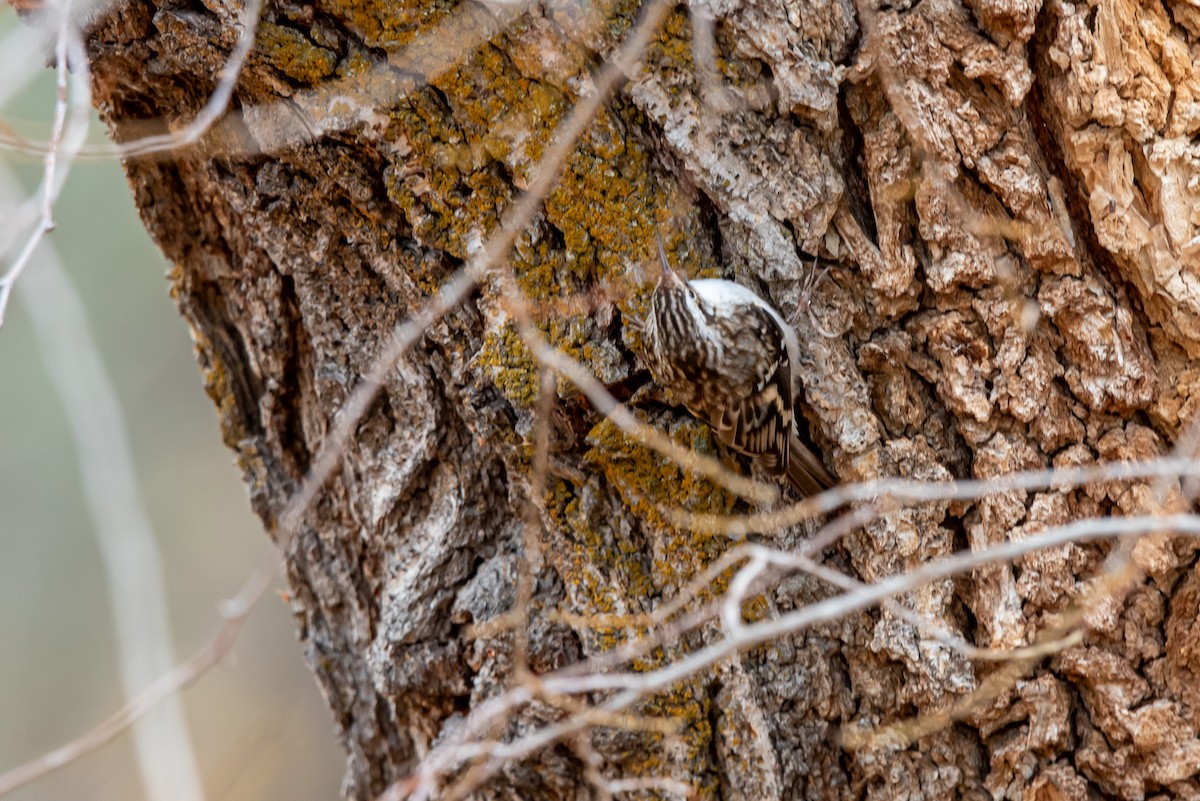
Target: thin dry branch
<point>18,51</point>
<point>886,494</point>
<point>664,631</point>
<point>212,111</point>
<point>608,406</point>
<point>73,94</point>
<point>167,685</point>
<point>1121,574</point>
<point>943,635</point>
<point>438,49</point>
<point>632,687</point>
<point>871,594</point>
<point>476,738</point>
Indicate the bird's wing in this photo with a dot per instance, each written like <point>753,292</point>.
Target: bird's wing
<point>760,423</point>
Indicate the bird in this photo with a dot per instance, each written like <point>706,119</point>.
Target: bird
<point>727,356</point>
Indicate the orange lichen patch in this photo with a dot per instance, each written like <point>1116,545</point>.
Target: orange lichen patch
<point>605,572</point>
<point>501,111</point>
<point>446,184</point>
<point>603,202</point>
<point>601,568</point>
<point>688,705</point>
<point>456,171</point>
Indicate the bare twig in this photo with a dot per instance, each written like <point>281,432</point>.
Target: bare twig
<point>618,414</point>
<point>713,94</point>
<point>870,594</point>
<point>1121,574</point>
<point>630,687</point>
<point>648,784</point>
<point>885,493</point>
<point>73,95</point>
<point>475,742</point>
<point>18,53</point>
<point>936,632</point>
<point>435,51</point>
<point>167,685</point>
<point>214,108</point>
<point>218,101</point>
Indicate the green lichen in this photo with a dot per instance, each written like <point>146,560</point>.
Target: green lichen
<point>576,336</point>
<point>604,575</point>
<point>514,371</point>
<point>539,266</point>
<point>217,387</point>
<point>649,482</point>
<point>672,53</point>
<point>608,574</point>
<point>428,271</point>
<point>620,14</point>
<point>292,53</point>
<point>448,186</point>
<point>498,106</point>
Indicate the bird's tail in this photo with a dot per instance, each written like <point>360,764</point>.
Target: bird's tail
<point>805,469</point>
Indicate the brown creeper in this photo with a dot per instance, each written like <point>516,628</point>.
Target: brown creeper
<point>724,353</point>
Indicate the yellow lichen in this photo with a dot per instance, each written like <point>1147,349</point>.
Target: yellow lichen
<point>388,24</point>
<point>648,482</point>
<point>292,53</point>
<point>511,366</point>
<point>463,148</point>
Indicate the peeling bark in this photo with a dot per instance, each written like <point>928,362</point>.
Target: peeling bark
<point>1008,196</point>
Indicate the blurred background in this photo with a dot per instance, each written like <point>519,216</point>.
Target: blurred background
<point>258,724</point>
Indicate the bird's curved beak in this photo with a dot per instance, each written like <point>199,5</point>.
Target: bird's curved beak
<point>669,278</point>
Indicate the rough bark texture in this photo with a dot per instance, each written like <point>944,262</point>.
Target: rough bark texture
<point>1010,194</point>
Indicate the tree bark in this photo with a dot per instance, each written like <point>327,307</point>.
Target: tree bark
<point>1007,196</point>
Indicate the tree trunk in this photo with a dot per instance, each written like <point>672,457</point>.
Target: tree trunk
<point>1005,195</point>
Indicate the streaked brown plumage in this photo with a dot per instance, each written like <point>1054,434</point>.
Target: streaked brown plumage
<point>724,353</point>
